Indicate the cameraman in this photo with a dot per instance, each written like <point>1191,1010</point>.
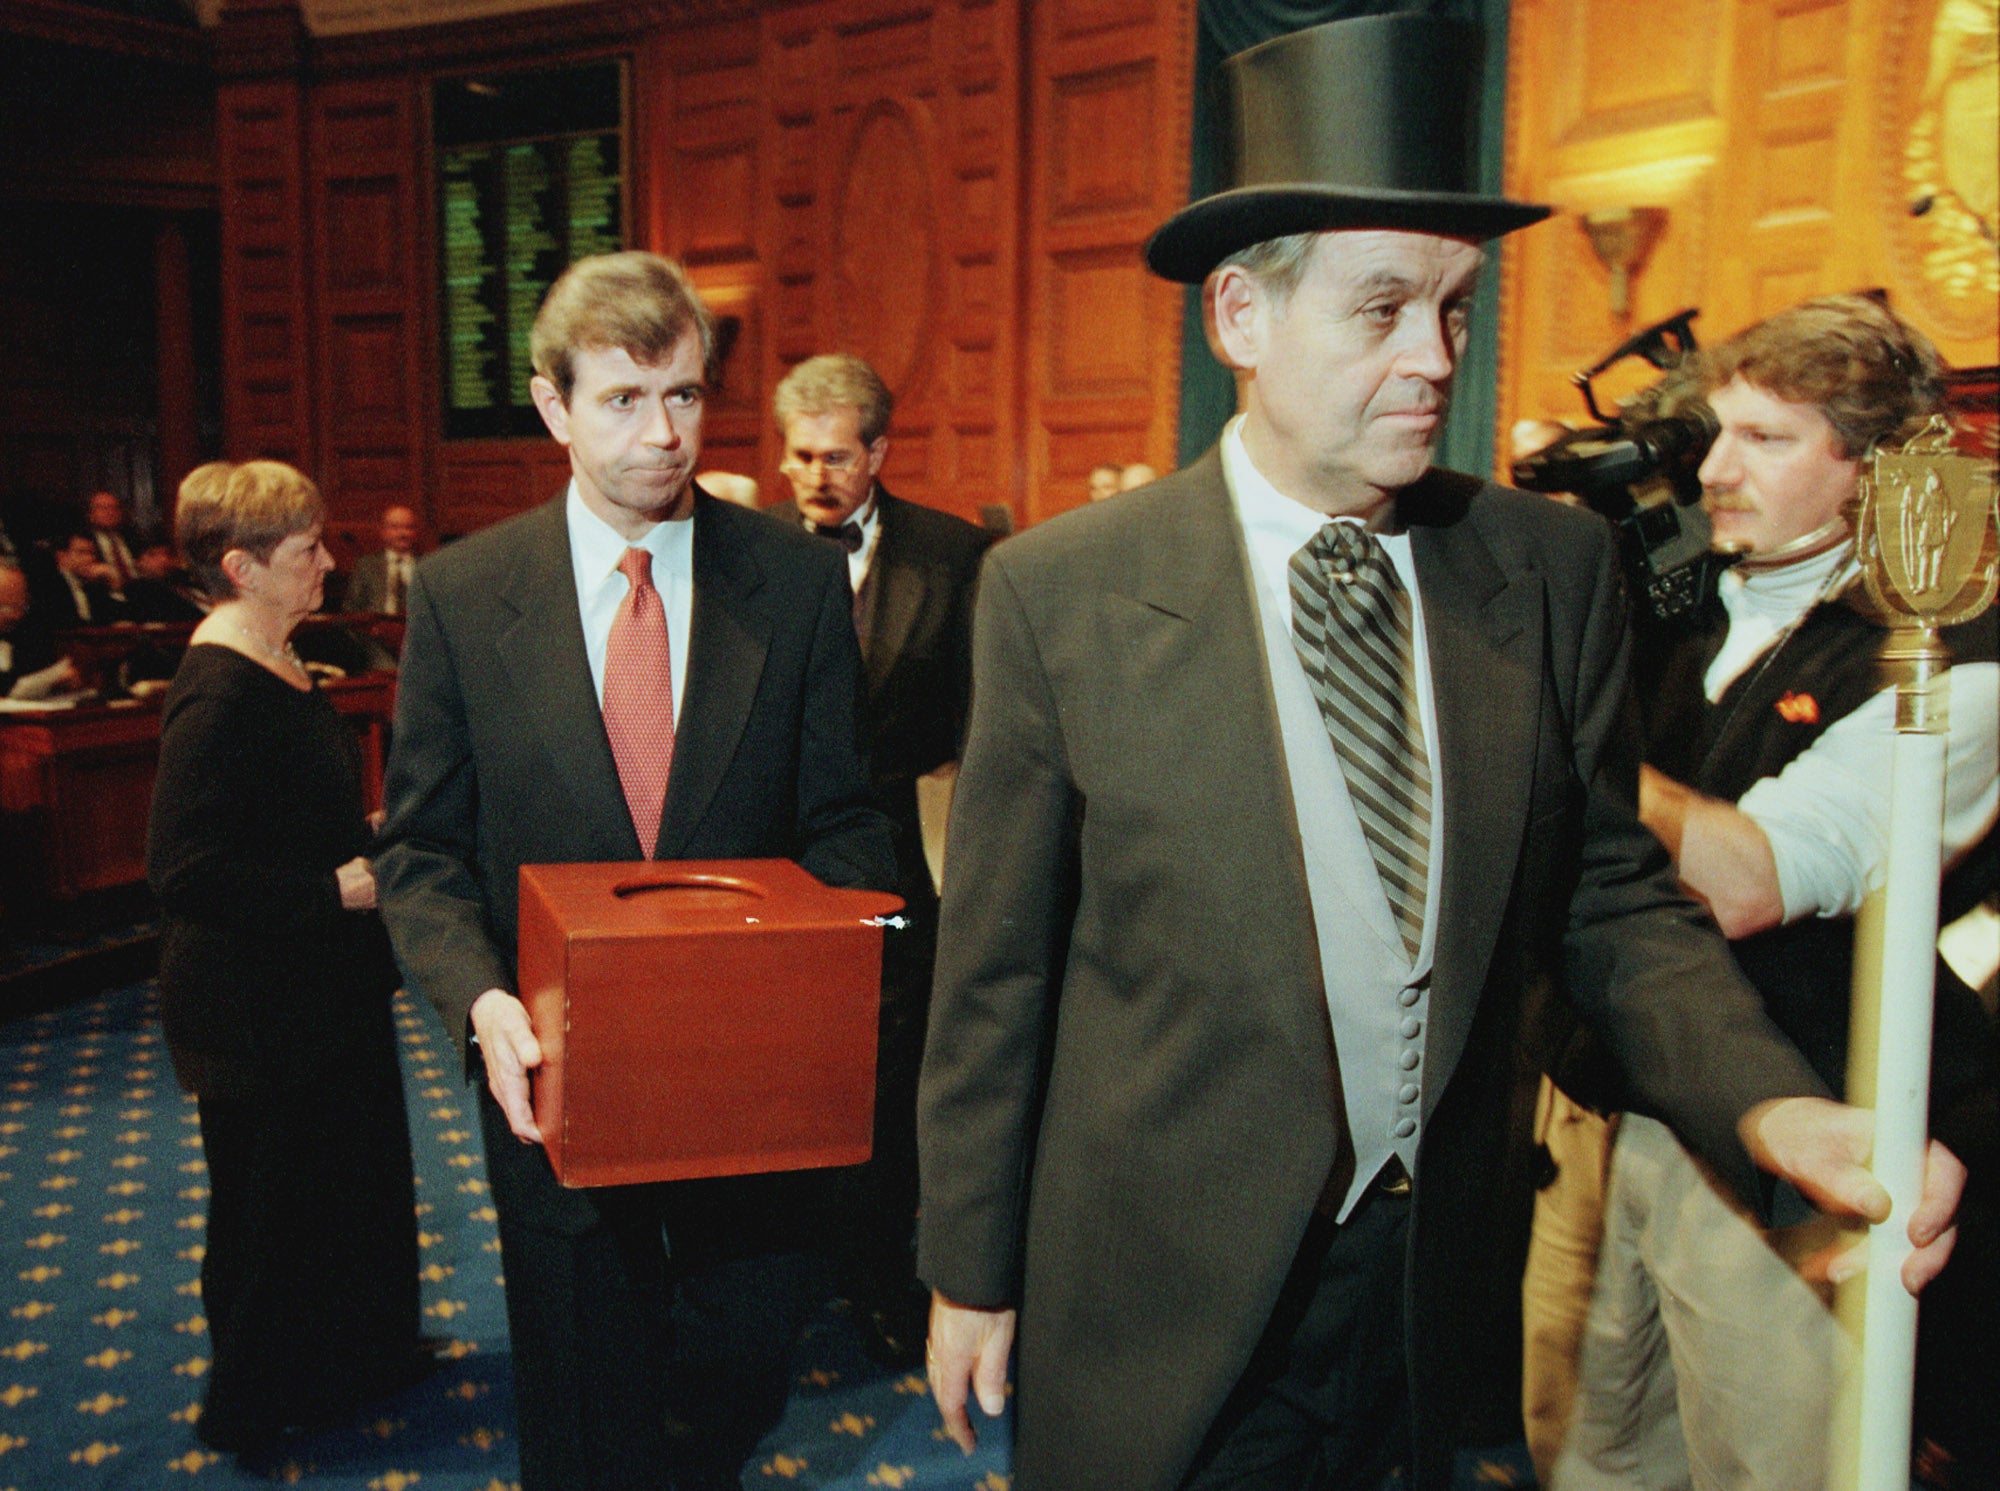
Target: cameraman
<point>1710,1355</point>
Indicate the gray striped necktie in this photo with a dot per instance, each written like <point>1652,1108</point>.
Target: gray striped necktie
<point>1351,626</point>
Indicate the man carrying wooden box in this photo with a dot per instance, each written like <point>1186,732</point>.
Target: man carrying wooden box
<point>633,670</point>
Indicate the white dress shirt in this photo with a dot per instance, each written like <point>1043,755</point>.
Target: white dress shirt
<point>396,571</point>
<point>595,549</point>
<point>1378,1001</point>
<point>868,518</point>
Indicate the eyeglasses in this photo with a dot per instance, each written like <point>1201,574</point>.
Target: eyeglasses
<point>833,462</point>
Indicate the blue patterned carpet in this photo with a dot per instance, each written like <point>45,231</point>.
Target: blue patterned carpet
<point>103,1345</point>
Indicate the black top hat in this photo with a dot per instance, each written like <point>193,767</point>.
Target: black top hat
<point>1364,123</point>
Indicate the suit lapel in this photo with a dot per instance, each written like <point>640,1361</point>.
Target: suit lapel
<point>1192,572</point>
<point>543,651</point>
<point>729,638</point>
<point>899,595</point>
<point>1484,640</point>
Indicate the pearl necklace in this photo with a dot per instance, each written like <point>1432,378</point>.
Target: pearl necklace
<point>286,654</point>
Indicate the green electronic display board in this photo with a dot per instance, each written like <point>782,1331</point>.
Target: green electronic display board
<point>530,171</point>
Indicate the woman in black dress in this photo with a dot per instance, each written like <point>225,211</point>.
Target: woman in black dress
<point>275,985</point>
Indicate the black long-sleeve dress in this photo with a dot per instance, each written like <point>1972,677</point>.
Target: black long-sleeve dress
<point>277,1008</point>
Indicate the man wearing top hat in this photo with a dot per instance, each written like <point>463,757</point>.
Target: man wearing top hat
<point>1293,783</point>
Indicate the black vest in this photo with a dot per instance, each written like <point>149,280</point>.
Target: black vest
<point>1777,707</point>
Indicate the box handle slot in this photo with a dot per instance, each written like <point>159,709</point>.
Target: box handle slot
<point>689,880</point>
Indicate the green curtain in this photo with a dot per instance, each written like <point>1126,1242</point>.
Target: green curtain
<point>1208,394</point>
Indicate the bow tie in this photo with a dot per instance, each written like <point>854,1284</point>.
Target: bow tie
<point>847,535</point>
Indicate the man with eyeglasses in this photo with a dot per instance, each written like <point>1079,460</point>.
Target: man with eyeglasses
<point>913,570</point>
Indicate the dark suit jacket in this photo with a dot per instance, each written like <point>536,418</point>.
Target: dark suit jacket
<point>501,760</point>
<point>1129,1103</point>
<point>368,587</point>
<point>32,649</point>
<point>55,602</point>
<point>916,661</point>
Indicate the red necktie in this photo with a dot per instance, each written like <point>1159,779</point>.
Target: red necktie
<point>639,698</point>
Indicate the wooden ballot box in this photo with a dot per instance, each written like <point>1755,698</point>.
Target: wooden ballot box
<point>700,1017</point>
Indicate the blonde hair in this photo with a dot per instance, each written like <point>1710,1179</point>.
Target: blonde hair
<point>634,302</point>
<point>253,506</point>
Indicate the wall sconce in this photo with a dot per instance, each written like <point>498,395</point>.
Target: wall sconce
<point>1622,238</point>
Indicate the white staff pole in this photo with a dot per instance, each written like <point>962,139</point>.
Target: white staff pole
<point>1893,1000</point>
<point>1926,537</point>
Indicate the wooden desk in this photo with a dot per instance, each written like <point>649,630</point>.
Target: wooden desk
<point>155,647</point>
<point>76,785</point>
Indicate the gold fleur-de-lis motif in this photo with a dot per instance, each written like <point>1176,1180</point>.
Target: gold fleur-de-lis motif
<point>108,1358</point>
<point>192,1461</point>
<point>856,1424</point>
<point>11,1442</point>
<point>482,1438</point>
<point>20,1351</point>
<point>34,1309</point>
<point>119,1280</point>
<point>125,1216</point>
<point>94,1454</point>
<point>17,1394</point>
<point>194,1366</point>
<point>100,1405</point>
<point>112,1319</point>
<point>784,1465</point>
<point>892,1476</point>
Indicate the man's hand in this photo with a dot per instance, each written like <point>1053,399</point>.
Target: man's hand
<point>356,879</point>
<point>968,1354</point>
<point>1822,1147</point>
<point>1721,852</point>
<point>507,1042</point>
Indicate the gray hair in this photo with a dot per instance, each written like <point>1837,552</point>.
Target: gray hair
<point>835,380</point>
<point>1276,263</point>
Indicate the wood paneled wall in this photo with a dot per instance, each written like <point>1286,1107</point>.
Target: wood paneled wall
<point>954,189</point>
<point>1785,139</point>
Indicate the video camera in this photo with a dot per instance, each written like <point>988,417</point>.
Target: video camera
<point>1638,467</point>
